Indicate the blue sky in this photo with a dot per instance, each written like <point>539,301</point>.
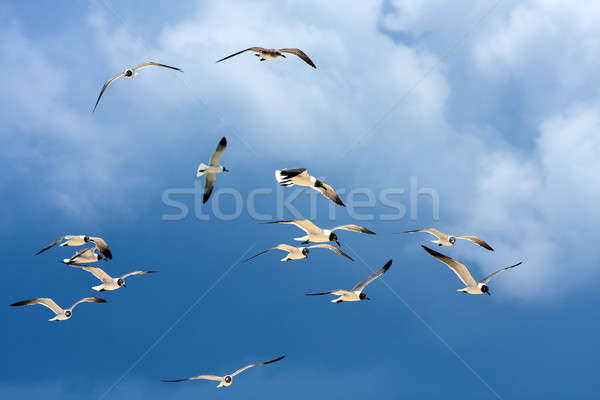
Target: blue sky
<point>494,107</point>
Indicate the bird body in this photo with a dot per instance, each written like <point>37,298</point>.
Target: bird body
<point>298,253</point>
<point>227,380</point>
<point>301,177</point>
<point>471,285</point>
<point>108,282</point>
<point>80,240</point>
<point>88,255</point>
<point>356,293</point>
<point>443,239</point>
<point>318,235</point>
<point>130,73</point>
<point>213,168</point>
<point>61,314</point>
<point>271,54</point>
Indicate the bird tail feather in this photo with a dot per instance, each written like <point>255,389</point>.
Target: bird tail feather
<point>201,169</point>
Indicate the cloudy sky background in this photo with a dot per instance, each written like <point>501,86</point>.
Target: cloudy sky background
<point>494,106</point>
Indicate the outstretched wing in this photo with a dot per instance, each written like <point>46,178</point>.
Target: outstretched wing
<point>431,231</point>
<point>361,285</point>
<point>84,255</point>
<point>284,247</point>
<point>256,364</point>
<point>43,301</point>
<point>240,52</point>
<point>300,54</point>
<point>155,64</point>
<point>334,249</point>
<point>102,246</point>
<point>97,272</point>
<point>327,191</point>
<point>355,228</point>
<point>88,300</point>
<point>209,184</point>
<point>137,273</point>
<point>490,276</point>
<point>303,224</point>
<point>285,177</point>
<point>108,82</point>
<point>57,241</point>
<point>476,240</point>
<point>215,159</point>
<point>209,377</point>
<point>459,269</point>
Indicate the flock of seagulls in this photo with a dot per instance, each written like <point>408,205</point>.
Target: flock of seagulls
<point>99,249</point>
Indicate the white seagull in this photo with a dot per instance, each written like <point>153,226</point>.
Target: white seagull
<point>226,380</point>
<point>449,240</point>
<point>130,73</point>
<point>300,177</point>
<point>108,282</point>
<point>88,255</point>
<point>61,314</point>
<point>212,169</point>
<point>298,253</point>
<point>318,235</point>
<point>356,293</point>
<point>270,54</point>
<point>80,240</point>
<point>472,286</point>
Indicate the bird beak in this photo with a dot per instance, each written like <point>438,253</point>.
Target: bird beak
<point>338,243</point>
<point>488,293</point>
<point>368,298</point>
<point>124,285</point>
<point>225,169</point>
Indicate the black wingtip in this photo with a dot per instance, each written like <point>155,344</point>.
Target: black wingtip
<point>275,360</point>
<point>387,265</point>
<point>223,141</point>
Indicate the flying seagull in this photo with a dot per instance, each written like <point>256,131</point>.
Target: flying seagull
<point>108,282</point>
<point>226,380</point>
<point>270,54</point>
<point>212,169</point>
<point>80,240</point>
<point>88,255</point>
<point>297,253</point>
<point>356,293</point>
<point>300,177</point>
<point>318,235</point>
<point>449,240</point>
<point>61,314</point>
<point>473,287</point>
<point>130,73</point>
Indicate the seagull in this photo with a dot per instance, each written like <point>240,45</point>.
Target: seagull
<point>88,255</point>
<point>61,314</point>
<point>300,177</point>
<point>356,293</point>
<point>270,54</point>
<point>226,380</point>
<point>130,73</point>
<point>473,287</point>
<point>449,240</point>
<point>212,169</point>
<point>297,253</point>
<point>316,234</point>
<point>80,240</point>
<point>108,282</point>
